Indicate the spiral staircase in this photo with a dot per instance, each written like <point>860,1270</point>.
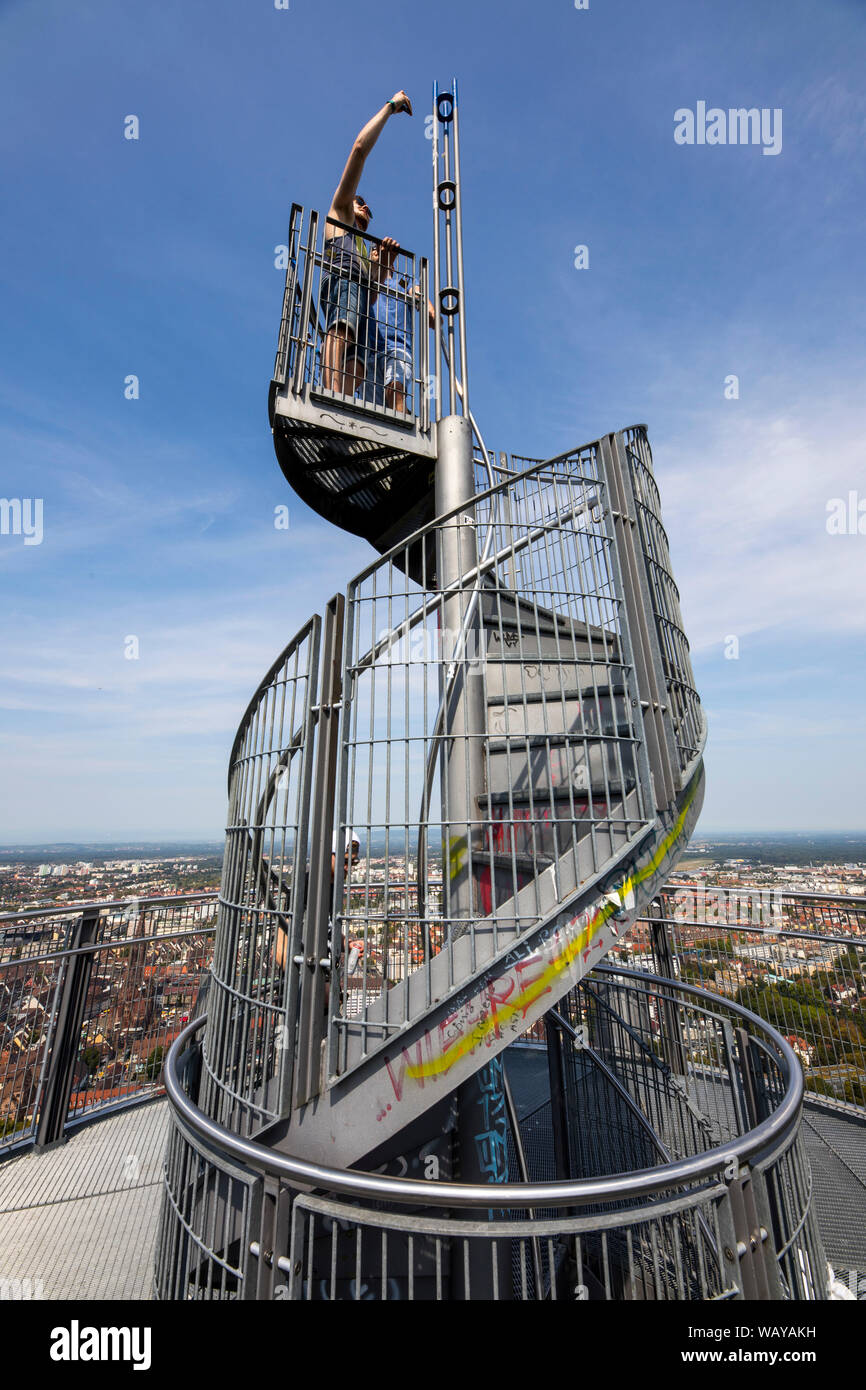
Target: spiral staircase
<point>500,709</point>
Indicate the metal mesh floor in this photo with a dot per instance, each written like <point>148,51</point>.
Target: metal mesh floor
<point>79,1221</point>
<point>836,1149</point>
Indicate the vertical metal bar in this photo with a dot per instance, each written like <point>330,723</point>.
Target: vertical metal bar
<point>312,1019</point>
<point>449,262</point>
<point>768,1221</point>
<point>299,881</point>
<point>309,266</point>
<point>663,959</point>
<point>437,270</point>
<point>67,1037</point>
<point>558,1099</point>
<point>753,1274</point>
<point>458,239</point>
<point>660,691</point>
<point>423,348</point>
<point>625,561</point>
<point>284,342</point>
<point>752,1096</point>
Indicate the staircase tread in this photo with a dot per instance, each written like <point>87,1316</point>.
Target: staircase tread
<point>537,697</point>
<point>564,793</point>
<point>504,743</point>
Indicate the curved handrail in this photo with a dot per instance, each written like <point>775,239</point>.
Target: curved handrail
<point>351,1182</point>
<point>418,535</point>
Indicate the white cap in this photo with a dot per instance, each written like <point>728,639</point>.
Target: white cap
<point>351,839</point>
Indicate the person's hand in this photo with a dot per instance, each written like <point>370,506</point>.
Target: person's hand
<point>402,103</point>
<point>388,254</point>
<point>431,312</point>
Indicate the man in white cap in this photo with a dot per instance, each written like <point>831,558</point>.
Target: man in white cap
<point>353,851</point>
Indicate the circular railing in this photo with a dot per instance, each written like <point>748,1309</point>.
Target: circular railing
<point>667,1064</point>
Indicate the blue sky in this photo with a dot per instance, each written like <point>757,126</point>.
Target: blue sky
<point>156,257</point>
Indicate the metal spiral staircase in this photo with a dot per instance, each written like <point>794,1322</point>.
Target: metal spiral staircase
<point>501,709</point>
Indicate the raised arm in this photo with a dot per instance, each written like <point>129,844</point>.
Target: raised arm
<point>344,197</point>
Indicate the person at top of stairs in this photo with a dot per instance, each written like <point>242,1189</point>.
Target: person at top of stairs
<point>389,371</point>
<point>351,270</point>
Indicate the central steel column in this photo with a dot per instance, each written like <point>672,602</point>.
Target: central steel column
<point>478,1269</point>
<point>481,1272</point>
<point>464,723</point>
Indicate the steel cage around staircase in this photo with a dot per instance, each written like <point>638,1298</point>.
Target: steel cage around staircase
<point>539,626</point>
<point>582,789</point>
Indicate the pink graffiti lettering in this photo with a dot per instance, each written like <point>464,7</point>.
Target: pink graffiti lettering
<point>405,1062</point>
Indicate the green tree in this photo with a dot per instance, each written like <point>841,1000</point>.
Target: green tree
<point>855,1091</point>
<point>153,1065</point>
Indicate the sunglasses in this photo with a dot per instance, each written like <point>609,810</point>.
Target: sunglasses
<point>364,208</point>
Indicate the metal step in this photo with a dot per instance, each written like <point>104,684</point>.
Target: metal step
<point>542,695</point>
<point>502,875</point>
<point>556,796</point>
<point>512,677</point>
<point>355,482</point>
<point>559,768</point>
<point>515,742</point>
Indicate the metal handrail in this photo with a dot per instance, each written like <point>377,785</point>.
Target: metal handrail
<point>699,1168</point>
<point>41,1097</point>
<point>70,952</point>
<point>206,894</point>
<point>105,904</point>
<point>782,892</point>
<point>745,928</point>
<point>330,221</point>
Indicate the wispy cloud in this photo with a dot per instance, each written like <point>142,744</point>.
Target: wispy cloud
<point>745,503</point>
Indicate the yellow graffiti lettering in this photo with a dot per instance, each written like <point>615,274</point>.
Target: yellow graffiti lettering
<point>457,851</point>
<point>461,1047</point>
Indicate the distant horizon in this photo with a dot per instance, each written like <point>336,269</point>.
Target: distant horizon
<point>174,840</point>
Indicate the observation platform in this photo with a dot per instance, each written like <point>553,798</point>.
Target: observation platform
<point>353,428</point>
<point>79,1221</point>
<point>82,1218</point>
